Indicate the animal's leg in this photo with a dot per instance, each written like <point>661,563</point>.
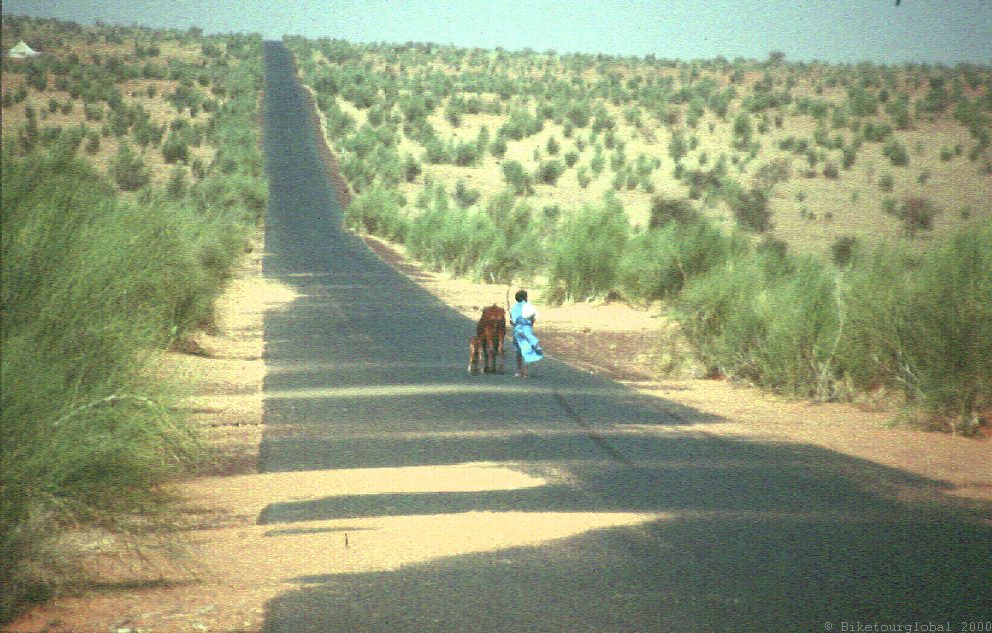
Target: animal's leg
<point>490,361</point>
<point>501,353</point>
<point>473,353</point>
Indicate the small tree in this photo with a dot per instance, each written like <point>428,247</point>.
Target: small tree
<point>751,211</point>
<point>665,210</point>
<point>498,147</point>
<point>178,184</point>
<point>464,196</point>
<point>917,214</point>
<point>411,168</point>
<point>743,131</point>
<point>677,147</point>
<point>842,250</point>
<point>516,177</point>
<point>582,175</point>
<point>896,152</point>
<point>550,171</point>
<point>92,143</point>
<point>175,149</point>
<point>129,170</point>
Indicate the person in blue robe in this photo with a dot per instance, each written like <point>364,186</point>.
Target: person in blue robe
<point>522,318</point>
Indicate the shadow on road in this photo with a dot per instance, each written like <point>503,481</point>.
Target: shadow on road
<point>751,536</point>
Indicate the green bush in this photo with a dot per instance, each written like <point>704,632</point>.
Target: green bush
<point>178,185</point>
<point>549,171</point>
<point>579,113</point>
<point>842,250</point>
<point>466,153</point>
<point>516,177</point>
<point>437,151</point>
<point>93,111</point>
<point>582,176</point>
<point>520,124</point>
<point>766,319</point>
<point>849,156</point>
<point>498,147</point>
<point>743,131</point>
<point>677,146</point>
<point>464,196</point>
<point>876,132</point>
<point>924,325</point>
<point>917,214</point>
<point>90,286</point>
<point>452,239</point>
<point>659,262</point>
<point>128,169</point>
<point>896,152</point>
<point>518,250</point>
<point>411,168</point>
<point>377,211</point>
<point>751,210</point>
<point>175,149</point>
<point>585,256</point>
<point>665,210</point>
<point>598,163</point>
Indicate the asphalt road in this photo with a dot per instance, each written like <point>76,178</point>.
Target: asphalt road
<point>367,370</point>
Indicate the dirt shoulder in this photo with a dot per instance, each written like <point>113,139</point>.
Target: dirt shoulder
<point>228,567</point>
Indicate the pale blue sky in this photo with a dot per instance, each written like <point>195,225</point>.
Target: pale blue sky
<point>946,31</point>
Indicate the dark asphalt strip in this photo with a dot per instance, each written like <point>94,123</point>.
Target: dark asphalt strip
<point>596,438</point>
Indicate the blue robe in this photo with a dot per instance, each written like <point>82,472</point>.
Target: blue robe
<point>524,340</point>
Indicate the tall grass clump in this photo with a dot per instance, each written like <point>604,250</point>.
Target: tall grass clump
<point>499,243</point>
<point>767,319</point>
<point>376,210</point>
<point>585,256</point>
<point>90,287</point>
<point>451,238</point>
<point>923,325</point>
<point>658,263</point>
<point>518,248</point>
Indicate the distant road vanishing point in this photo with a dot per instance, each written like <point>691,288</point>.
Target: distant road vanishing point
<point>563,503</point>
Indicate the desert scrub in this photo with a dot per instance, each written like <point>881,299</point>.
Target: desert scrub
<point>90,286</point>
<point>751,210</point>
<point>923,325</point>
<point>585,256</point>
<point>768,319</point>
<point>498,243</point>
<point>377,211</point>
<point>659,262</point>
<point>451,238</point>
<point>129,170</point>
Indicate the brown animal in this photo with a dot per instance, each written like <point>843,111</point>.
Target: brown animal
<point>487,345</point>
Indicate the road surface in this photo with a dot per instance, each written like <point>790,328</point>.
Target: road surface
<point>367,371</point>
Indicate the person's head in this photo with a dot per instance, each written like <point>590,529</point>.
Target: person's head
<point>521,295</point>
